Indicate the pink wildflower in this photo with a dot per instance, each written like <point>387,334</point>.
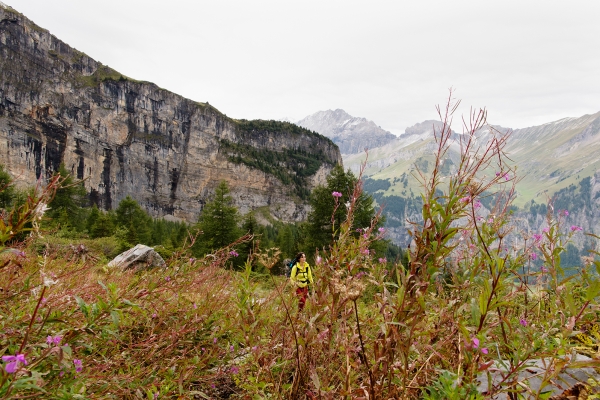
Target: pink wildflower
<point>336,194</point>
<point>475,342</point>
<point>576,228</point>
<point>78,365</point>
<point>13,362</point>
<point>523,321</point>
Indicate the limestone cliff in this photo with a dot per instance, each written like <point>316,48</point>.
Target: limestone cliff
<point>126,137</point>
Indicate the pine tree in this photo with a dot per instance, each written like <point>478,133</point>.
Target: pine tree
<point>66,209</point>
<point>134,220</point>
<point>6,189</point>
<point>320,231</point>
<point>218,222</point>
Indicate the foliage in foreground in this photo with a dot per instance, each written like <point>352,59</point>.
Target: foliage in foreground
<point>463,305</point>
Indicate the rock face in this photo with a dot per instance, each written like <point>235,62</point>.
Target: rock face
<point>351,134</point>
<point>126,137</point>
<point>139,258</point>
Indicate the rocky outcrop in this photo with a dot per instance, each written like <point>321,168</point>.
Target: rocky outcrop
<point>127,137</point>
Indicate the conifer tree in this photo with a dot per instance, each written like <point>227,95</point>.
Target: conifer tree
<point>66,208</point>
<point>319,230</point>
<point>6,189</point>
<point>134,220</point>
<point>218,222</point>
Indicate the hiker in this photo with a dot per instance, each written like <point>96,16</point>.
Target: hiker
<point>301,277</point>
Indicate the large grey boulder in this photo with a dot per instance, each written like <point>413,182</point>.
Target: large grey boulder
<point>141,257</point>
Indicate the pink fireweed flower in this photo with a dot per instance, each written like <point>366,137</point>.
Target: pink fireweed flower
<point>477,204</point>
<point>215,340</point>
<point>506,176</point>
<point>523,321</point>
<point>78,365</point>
<point>233,253</point>
<point>475,342</point>
<point>54,340</point>
<point>235,370</point>
<point>537,237</point>
<point>576,228</point>
<point>484,350</point>
<point>533,256</point>
<point>336,194</point>
<point>13,362</point>
<point>565,213</point>
<point>381,230</point>
<point>465,199</point>
<point>546,230</point>
<point>544,269</point>
<point>365,252</point>
<point>382,260</point>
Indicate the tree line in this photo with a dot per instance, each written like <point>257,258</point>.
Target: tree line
<point>219,224</point>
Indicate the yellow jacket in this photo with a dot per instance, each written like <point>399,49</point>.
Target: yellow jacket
<point>301,275</point>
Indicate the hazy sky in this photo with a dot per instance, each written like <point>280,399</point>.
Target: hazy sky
<point>528,62</point>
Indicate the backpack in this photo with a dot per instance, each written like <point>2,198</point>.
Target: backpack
<point>289,266</point>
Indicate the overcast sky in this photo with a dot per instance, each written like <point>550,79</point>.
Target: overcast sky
<point>528,62</point>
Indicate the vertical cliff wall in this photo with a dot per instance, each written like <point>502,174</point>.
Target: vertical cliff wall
<point>126,137</point>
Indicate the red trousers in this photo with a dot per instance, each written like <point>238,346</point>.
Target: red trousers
<point>302,293</point>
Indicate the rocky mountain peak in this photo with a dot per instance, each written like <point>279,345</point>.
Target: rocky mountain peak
<point>351,134</point>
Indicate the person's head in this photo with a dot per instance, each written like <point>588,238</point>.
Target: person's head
<point>301,257</point>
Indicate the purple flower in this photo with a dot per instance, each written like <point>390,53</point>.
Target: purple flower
<point>167,278</point>
<point>537,237</point>
<point>381,230</point>
<point>465,199</point>
<point>215,340</point>
<point>533,256</point>
<point>484,350</point>
<point>359,275</point>
<point>576,228</point>
<point>195,306</point>
<point>506,176</point>
<point>546,229</point>
<point>13,362</point>
<point>523,321</point>
<point>566,213</point>
<point>544,269</point>
<point>235,370</point>
<point>365,252</point>
<point>475,342</point>
<point>78,365</point>
<point>233,253</point>
<point>382,260</point>
<point>54,340</point>
<point>336,194</point>
<point>231,348</point>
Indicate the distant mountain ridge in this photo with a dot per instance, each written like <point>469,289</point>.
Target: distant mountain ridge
<point>351,134</point>
<point>556,162</point>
